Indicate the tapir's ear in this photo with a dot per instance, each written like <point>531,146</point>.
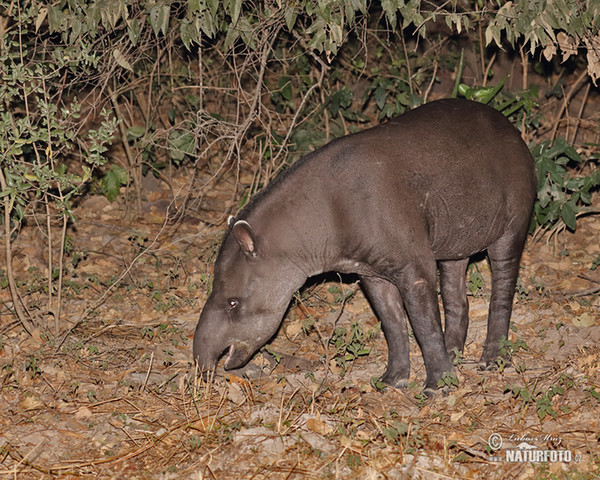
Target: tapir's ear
<point>230,220</point>
<point>245,237</point>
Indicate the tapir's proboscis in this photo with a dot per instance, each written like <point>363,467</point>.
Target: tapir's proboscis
<point>394,204</point>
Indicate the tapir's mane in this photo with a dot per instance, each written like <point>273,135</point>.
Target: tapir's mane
<point>256,199</point>
<point>278,180</point>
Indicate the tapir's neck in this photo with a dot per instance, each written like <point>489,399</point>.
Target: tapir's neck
<point>296,222</point>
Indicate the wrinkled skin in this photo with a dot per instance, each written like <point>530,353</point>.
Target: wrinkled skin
<point>394,204</point>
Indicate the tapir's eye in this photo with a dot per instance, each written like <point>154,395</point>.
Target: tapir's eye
<point>233,303</point>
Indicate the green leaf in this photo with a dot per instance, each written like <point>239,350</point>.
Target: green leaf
<point>194,6</point>
<point>134,28</point>
<point>55,18</point>
<point>390,7</point>
<point>380,96</point>
<point>232,35</point>
<point>135,132</point>
<point>159,19</point>
<point>112,181</point>
<point>121,60</point>
<point>290,17</point>
<point>188,34</point>
<point>40,18</point>
<point>181,143</point>
<point>213,6</point>
<point>568,213</point>
<point>235,7</point>
<point>285,87</point>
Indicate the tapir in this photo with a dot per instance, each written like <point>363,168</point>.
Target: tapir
<point>394,204</point>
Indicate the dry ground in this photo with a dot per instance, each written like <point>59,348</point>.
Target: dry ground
<point>115,395</point>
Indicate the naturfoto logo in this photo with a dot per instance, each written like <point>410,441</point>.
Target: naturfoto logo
<point>526,451</point>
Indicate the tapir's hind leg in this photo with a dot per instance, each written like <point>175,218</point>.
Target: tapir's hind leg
<point>504,256</point>
<point>389,308</point>
<point>456,306</point>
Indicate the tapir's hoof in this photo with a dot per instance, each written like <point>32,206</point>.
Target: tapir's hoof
<point>430,392</point>
<point>395,381</point>
<point>495,364</point>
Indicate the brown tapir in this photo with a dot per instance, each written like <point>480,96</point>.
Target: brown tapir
<point>393,203</point>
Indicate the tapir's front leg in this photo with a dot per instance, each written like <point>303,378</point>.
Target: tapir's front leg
<point>417,284</point>
<point>389,308</point>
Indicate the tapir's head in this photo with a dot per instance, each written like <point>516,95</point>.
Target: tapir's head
<point>252,286</point>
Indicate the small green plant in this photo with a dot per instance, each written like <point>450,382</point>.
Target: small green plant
<point>194,442</point>
<point>562,195</point>
<point>273,353</point>
<point>458,357</point>
<point>521,290</point>
<point>377,384</point>
<point>474,280</point>
<point>531,395</point>
<point>449,379</point>
<point>593,393</point>
<point>168,359</point>
<point>341,295</point>
<point>92,396</point>
<point>350,345</point>
<point>509,348</point>
<point>409,435</point>
<point>519,392</point>
<point>395,432</point>
<point>33,366</point>
<point>354,461</point>
<point>421,399</point>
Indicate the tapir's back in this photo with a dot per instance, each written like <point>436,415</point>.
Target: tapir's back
<point>457,168</point>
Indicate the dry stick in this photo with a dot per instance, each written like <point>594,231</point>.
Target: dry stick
<point>50,155</point>
<point>128,153</point>
<point>484,71</point>
<point>566,101</point>
<point>524,65</point>
<point>8,206</point>
<point>8,252</point>
<point>23,460</point>
<point>410,83</point>
<point>45,196</point>
<point>430,86</point>
<point>553,232</point>
<point>255,105</point>
<point>487,70</point>
<point>300,108</point>
<point>580,114</point>
<point>239,130</point>
<point>148,372</point>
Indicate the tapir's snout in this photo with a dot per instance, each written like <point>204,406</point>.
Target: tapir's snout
<point>210,340</point>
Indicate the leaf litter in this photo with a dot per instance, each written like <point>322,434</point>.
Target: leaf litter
<point>116,395</point>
